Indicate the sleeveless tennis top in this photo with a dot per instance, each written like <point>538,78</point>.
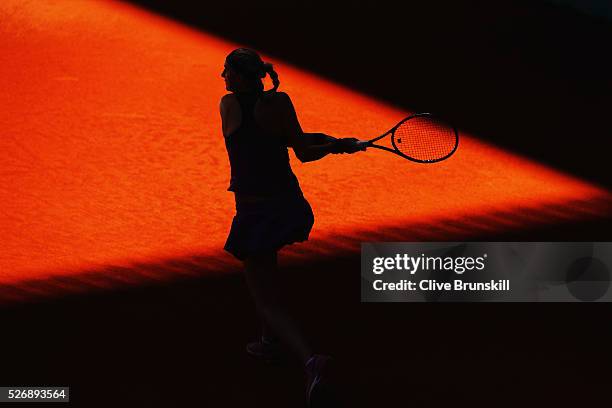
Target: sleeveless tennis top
<point>259,161</point>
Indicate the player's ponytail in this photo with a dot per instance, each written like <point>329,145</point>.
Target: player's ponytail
<point>269,69</point>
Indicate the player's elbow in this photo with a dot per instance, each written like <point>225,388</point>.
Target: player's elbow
<point>303,156</point>
<point>300,149</point>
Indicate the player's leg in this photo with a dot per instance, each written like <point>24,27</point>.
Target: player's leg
<point>264,283</point>
<point>266,332</point>
<point>268,347</point>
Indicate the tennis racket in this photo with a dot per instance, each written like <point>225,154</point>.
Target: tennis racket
<point>420,138</point>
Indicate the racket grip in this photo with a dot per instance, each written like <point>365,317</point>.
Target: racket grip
<point>363,144</point>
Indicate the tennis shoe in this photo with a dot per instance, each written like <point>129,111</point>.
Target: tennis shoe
<point>267,350</point>
<point>319,392</point>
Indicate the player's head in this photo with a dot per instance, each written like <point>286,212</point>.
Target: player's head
<point>244,70</point>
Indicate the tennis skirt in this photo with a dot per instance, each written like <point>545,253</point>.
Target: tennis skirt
<point>268,224</point>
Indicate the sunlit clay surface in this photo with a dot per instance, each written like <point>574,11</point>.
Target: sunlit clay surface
<point>111,156</point>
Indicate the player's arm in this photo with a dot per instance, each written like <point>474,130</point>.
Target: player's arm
<point>307,146</point>
<point>312,146</point>
<point>230,114</point>
<point>318,138</point>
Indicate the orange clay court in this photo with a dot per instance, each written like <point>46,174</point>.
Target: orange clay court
<point>112,154</point>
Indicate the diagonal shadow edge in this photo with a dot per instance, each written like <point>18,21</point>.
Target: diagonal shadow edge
<point>572,220</point>
<point>473,65</point>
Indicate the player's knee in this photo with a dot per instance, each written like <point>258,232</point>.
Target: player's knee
<point>262,259</point>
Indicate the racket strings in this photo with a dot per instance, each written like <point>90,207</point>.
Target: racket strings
<point>423,139</point>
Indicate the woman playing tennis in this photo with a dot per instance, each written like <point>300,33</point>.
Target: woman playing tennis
<point>271,211</point>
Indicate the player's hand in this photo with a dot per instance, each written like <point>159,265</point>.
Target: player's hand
<point>347,145</point>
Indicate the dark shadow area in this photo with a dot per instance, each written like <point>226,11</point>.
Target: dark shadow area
<point>173,333</point>
<point>576,220</point>
<point>182,344</point>
<point>530,76</point>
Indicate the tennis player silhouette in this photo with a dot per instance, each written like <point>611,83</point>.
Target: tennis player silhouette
<point>271,211</point>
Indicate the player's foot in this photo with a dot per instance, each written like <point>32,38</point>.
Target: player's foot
<point>268,350</point>
<point>319,392</point>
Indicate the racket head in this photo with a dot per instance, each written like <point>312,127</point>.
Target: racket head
<point>423,139</point>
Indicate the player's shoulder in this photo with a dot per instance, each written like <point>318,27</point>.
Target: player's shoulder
<point>228,103</point>
<point>281,100</point>
<point>228,99</point>
<point>282,96</point>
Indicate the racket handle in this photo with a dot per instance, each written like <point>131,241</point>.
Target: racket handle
<point>363,144</point>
